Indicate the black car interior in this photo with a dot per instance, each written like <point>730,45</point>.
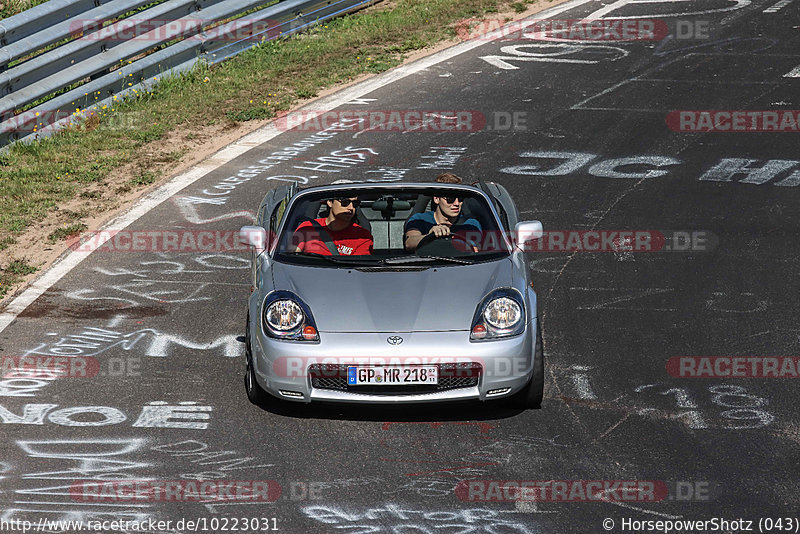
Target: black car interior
<point>385,215</point>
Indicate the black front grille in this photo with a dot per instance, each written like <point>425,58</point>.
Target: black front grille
<point>451,376</point>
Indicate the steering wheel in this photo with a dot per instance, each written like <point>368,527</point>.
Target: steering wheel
<point>446,243</point>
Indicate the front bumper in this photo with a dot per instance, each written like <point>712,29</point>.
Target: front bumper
<point>283,367</point>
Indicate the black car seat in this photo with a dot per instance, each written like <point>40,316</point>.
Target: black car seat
<point>316,210</point>
<point>471,209</point>
<point>421,205</point>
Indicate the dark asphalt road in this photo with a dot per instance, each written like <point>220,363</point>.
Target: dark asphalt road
<point>590,149</point>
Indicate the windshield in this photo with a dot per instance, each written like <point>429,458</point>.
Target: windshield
<point>391,227</point>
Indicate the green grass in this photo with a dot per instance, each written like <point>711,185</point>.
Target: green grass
<point>249,114</point>
<point>519,7</point>
<point>6,241</point>
<point>66,232</point>
<point>12,7</point>
<point>13,273</point>
<point>36,177</point>
<point>19,267</point>
<point>146,178</point>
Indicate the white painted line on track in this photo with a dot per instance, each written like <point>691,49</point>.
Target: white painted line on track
<point>620,4</point>
<point>68,262</point>
<point>777,7</point>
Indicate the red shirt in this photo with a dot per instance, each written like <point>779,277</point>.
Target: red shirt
<point>353,240</point>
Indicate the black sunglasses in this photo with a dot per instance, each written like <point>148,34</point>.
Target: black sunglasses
<point>346,202</point>
<point>450,200</point>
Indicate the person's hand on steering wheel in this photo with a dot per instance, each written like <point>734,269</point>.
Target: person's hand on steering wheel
<point>430,238</point>
<point>440,230</point>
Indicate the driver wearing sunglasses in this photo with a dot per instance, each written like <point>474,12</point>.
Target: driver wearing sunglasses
<point>442,221</point>
<point>349,238</point>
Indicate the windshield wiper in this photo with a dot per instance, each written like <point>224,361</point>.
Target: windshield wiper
<point>399,260</point>
<point>332,259</point>
<point>462,261</point>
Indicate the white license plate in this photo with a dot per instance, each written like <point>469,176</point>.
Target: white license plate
<point>401,375</point>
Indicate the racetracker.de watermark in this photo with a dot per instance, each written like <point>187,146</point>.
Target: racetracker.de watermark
<point>393,120</point>
<point>563,30</point>
<point>619,241</point>
<point>35,120</point>
<point>158,241</point>
<point>207,241</point>
<point>51,367</point>
<point>784,120</point>
<point>174,490</point>
<point>591,241</point>
<point>562,490</point>
<point>580,241</point>
<point>734,366</point>
<point>159,30</point>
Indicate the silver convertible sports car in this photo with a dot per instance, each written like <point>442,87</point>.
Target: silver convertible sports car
<point>392,293</point>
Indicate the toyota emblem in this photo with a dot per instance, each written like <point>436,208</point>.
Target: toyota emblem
<point>394,340</point>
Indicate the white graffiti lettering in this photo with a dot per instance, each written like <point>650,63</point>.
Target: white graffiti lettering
<point>408,519</point>
<point>751,171</point>
<point>160,415</point>
<point>157,414</point>
<point>442,157</point>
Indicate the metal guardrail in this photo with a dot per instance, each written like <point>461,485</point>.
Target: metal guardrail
<point>104,62</point>
<point>67,28</point>
<point>41,17</point>
<point>78,50</point>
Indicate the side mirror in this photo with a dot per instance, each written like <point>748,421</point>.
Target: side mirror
<point>526,231</point>
<point>253,236</point>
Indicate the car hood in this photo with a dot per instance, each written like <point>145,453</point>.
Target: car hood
<point>435,299</point>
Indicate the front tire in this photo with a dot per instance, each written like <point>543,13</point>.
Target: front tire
<point>255,393</point>
<point>532,394</point>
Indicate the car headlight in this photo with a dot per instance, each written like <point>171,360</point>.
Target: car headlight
<point>501,314</point>
<point>286,316</point>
